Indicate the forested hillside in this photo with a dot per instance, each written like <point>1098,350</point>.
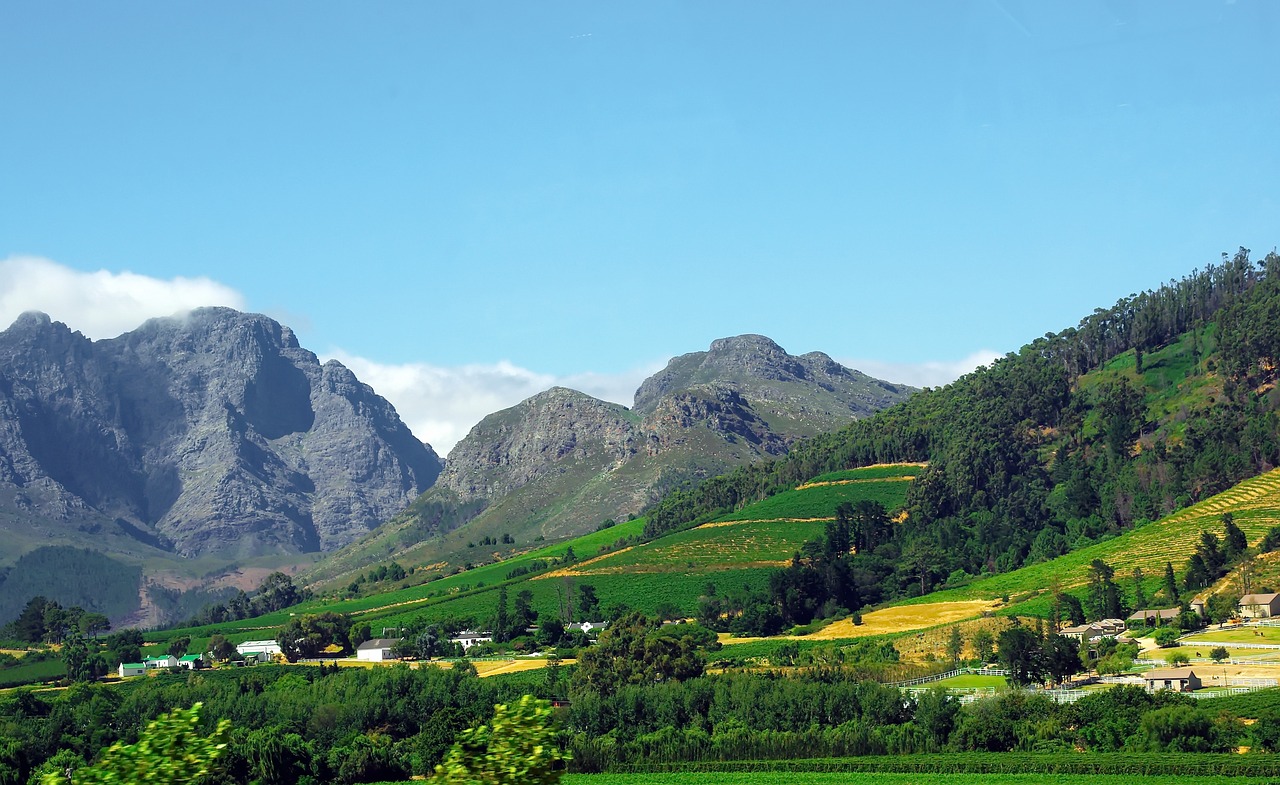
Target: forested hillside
<point>1163,399</point>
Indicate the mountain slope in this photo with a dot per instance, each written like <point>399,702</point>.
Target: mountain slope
<point>561,462</point>
<point>213,436</point>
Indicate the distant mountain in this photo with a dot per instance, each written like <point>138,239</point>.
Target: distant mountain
<point>561,462</point>
<point>213,435</point>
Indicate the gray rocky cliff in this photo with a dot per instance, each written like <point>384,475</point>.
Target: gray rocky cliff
<point>210,433</point>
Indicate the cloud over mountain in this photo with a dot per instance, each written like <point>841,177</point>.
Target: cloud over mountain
<point>101,304</point>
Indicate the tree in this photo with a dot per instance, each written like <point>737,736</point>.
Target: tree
<point>125,646</point>
<point>1219,654</point>
<point>359,634</point>
<point>178,646</point>
<point>1104,596</point>
<point>1061,657</point>
<point>170,751</point>
<point>276,592</point>
<point>588,603</point>
<point>637,650</point>
<point>82,665</point>
<point>517,747</point>
<point>1166,637</point>
<point>524,615</point>
<point>429,644</point>
<point>984,644</point>
<point>1170,583</point>
<point>91,624</point>
<point>1222,606</point>
<point>221,648</point>
<point>29,626</point>
<point>305,637</point>
<point>1234,542</point>
<point>1020,653</point>
<point>502,618</point>
<point>1071,605</point>
<point>936,712</point>
<point>1176,658</point>
<point>955,645</point>
<point>1139,593</point>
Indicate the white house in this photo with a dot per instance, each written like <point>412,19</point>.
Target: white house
<point>469,638</point>
<point>131,669</point>
<point>1260,606</point>
<point>589,627</point>
<point>377,650</point>
<point>167,661</point>
<point>191,661</point>
<point>262,651</point>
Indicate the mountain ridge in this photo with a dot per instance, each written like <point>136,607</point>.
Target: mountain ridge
<point>561,462</point>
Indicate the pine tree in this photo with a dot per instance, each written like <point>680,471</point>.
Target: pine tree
<point>1170,583</point>
<point>502,620</point>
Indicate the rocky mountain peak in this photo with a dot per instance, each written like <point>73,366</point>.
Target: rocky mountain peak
<point>208,432</point>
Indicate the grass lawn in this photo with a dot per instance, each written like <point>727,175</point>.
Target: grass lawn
<point>1267,635</point>
<point>971,681</point>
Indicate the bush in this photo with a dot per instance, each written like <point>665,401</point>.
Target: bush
<point>1166,637</point>
<point>518,747</point>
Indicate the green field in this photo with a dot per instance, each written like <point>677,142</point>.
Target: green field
<point>871,473</point>
<point>971,681</point>
<point>878,778</point>
<point>32,672</point>
<point>1267,635</point>
<point>821,501</point>
<point>1255,504</point>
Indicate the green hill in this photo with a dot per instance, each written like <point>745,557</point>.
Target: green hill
<point>741,549</point>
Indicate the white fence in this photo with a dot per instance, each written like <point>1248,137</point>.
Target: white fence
<point>948,675</point>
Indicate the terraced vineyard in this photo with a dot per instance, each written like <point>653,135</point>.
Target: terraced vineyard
<point>1254,504</point>
<point>764,534</point>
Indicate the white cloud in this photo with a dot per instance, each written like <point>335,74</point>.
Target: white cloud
<point>100,304</point>
<point>933,373</point>
<point>441,404</point>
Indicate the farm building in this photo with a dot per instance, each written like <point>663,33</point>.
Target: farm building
<point>1153,617</point>
<point>167,661</point>
<point>590,627</point>
<point>469,638</point>
<point>377,650</point>
<point>191,662</point>
<point>262,651</point>
<point>1260,606</point>
<point>1176,679</point>
<point>131,669</point>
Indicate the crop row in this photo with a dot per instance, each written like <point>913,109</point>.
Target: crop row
<point>1173,539</point>
<point>1070,763</point>
<point>765,777</point>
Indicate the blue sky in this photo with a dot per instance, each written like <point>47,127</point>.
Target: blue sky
<point>468,202</point>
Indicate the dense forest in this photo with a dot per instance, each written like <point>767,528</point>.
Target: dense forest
<point>349,725</point>
<point>1032,457</point>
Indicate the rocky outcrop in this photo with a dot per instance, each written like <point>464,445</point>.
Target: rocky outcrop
<point>812,389</point>
<point>514,447</point>
<point>210,433</point>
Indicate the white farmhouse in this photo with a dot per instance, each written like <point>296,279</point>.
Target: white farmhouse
<point>377,650</point>
<point>262,651</point>
<point>469,638</point>
<point>131,669</point>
